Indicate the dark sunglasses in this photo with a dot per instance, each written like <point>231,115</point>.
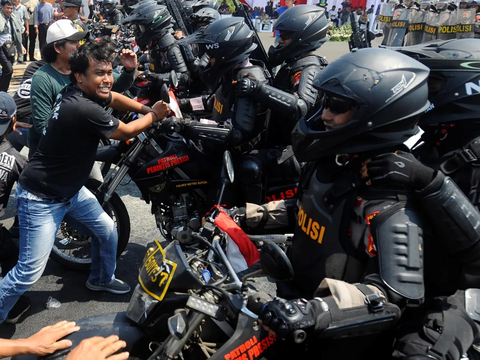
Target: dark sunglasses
<point>337,105</point>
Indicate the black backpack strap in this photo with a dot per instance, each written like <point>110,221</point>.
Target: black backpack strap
<point>470,154</point>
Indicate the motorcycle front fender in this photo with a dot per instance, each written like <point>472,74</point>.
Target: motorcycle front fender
<point>103,325</point>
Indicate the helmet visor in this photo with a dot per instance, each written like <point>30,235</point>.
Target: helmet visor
<point>337,105</point>
<point>435,84</point>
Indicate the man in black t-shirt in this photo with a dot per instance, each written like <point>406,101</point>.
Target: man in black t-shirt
<point>51,185</point>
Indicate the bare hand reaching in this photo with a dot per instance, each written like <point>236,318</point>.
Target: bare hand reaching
<point>46,341</point>
<point>128,59</point>
<point>99,348</point>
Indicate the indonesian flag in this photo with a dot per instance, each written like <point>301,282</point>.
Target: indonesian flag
<point>173,104</point>
<point>241,252</point>
<point>249,3</point>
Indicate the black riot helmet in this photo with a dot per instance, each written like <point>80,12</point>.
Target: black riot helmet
<point>226,43</point>
<point>144,3</point>
<point>109,6</point>
<point>152,22</point>
<point>204,17</point>
<point>307,27</point>
<point>202,4</point>
<point>383,91</point>
<point>454,82</point>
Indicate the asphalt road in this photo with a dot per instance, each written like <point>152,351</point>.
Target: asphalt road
<point>68,286</point>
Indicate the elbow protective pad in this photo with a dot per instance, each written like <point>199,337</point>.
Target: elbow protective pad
<point>305,90</point>
<point>456,219</point>
<point>278,99</point>
<point>399,242</point>
<point>175,58</point>
<point>187,52</point>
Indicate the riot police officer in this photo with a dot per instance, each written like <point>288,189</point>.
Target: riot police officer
<point>451,136</point>
<point>363,254</point>
<point>110,13</point>
<point>303,29</point>
<point>474,4</point>
<point>226,45</point>
<point>154,32</point>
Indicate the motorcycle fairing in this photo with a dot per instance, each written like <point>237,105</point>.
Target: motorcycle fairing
<point>103,325</point>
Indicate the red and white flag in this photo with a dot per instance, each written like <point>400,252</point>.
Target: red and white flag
<point>241,252</point>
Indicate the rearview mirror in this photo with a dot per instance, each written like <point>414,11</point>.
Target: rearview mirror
<point>227,168</point>
<point>173,79</point>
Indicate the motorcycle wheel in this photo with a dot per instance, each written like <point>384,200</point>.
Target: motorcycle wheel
<point>72,249</point>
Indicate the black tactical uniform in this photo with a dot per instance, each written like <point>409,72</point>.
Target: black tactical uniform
<point>110,13</point>
<point>154,32</point>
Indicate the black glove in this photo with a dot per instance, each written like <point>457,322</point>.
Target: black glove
<point>284,317</point>
<point>247,86</point>
<point>401,169</point>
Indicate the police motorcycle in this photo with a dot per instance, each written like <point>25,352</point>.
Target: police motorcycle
<point>190,302</point>
<point>175,165</point>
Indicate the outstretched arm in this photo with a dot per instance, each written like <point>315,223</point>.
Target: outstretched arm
<point>44,342</point>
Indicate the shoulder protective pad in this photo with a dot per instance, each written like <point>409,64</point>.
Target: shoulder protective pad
<point>302,63</point>
<point>399,241</point>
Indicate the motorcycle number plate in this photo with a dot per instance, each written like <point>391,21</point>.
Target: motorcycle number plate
<point>156,272</point>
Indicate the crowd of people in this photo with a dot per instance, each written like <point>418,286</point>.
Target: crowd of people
<point>341,15</point>
<point>24,26</point>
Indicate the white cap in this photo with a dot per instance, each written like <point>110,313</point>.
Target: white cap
<point>64,30</point>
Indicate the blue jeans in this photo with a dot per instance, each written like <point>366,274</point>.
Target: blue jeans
<point>39,220</point>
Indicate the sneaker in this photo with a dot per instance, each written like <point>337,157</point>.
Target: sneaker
<point>20,308</point>
<point>116,287</point>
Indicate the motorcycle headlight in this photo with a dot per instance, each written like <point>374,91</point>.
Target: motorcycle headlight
<point>141,304</point>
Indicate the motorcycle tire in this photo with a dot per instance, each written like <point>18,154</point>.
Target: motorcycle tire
<point>72,249</point>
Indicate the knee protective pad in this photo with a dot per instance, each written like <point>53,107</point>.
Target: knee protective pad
<point>446,334</point>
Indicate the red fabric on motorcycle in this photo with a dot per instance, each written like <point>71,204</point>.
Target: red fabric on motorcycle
<point>247,249</point>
